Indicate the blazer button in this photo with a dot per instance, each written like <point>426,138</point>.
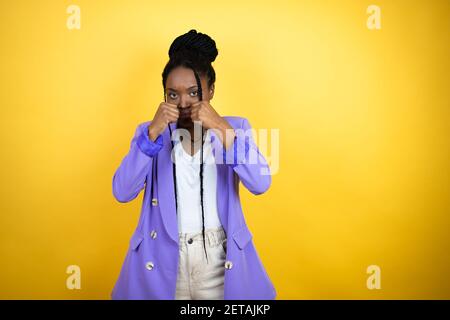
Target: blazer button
<point>149,265</point>
<point>190,241</point>
<point>154,202</point>
<point>153,234</point>
<point>228,265</point>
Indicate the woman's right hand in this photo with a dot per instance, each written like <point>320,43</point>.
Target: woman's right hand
<point>166,113</point>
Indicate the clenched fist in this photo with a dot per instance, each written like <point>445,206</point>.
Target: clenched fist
<point>165,114</point>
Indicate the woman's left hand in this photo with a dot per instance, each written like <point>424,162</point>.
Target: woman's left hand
<point>204,112</point>
<point>210,119</point>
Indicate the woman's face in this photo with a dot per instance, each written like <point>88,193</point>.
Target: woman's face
<point>182,90</point>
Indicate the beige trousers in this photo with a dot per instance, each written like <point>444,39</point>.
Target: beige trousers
<point>197,279</point>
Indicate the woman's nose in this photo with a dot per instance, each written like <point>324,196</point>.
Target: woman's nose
<point>184,103</point>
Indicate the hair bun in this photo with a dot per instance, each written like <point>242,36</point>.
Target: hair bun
<point>194,42</point>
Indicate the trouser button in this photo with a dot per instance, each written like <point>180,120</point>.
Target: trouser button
<point>190,241</point>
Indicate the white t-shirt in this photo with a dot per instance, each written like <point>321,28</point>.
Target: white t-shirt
<point>188,188</point>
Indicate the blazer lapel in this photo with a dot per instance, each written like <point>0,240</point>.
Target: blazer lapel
<point>166,191</point>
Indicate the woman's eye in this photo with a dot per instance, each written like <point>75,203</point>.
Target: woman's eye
<point>194,93</point>
<point>172,95</point>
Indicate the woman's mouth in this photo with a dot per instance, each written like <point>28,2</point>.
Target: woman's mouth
<point>185,113</point>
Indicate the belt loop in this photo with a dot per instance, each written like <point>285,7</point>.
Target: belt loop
<point>208,236</point>
<point>215,238</point>
<point>219,235</point>
<point>211,239</point>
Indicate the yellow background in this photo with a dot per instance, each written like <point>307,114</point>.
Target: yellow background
<point>364,128</point>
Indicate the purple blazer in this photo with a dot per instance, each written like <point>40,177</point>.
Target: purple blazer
<point>151,264</point>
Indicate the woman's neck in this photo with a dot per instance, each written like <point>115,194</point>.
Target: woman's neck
<point>195,131</point>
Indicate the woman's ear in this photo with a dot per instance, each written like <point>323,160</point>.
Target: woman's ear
<point>211,92</point>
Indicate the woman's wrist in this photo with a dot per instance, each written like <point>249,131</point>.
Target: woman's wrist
<point>152,133</point>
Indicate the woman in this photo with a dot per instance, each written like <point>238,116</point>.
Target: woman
<point>192,241</point>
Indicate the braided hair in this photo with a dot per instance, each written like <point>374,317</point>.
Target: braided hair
<point>196,51</point>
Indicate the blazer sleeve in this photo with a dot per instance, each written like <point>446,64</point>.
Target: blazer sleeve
<point>247,161</point>
<point>130,176</point>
